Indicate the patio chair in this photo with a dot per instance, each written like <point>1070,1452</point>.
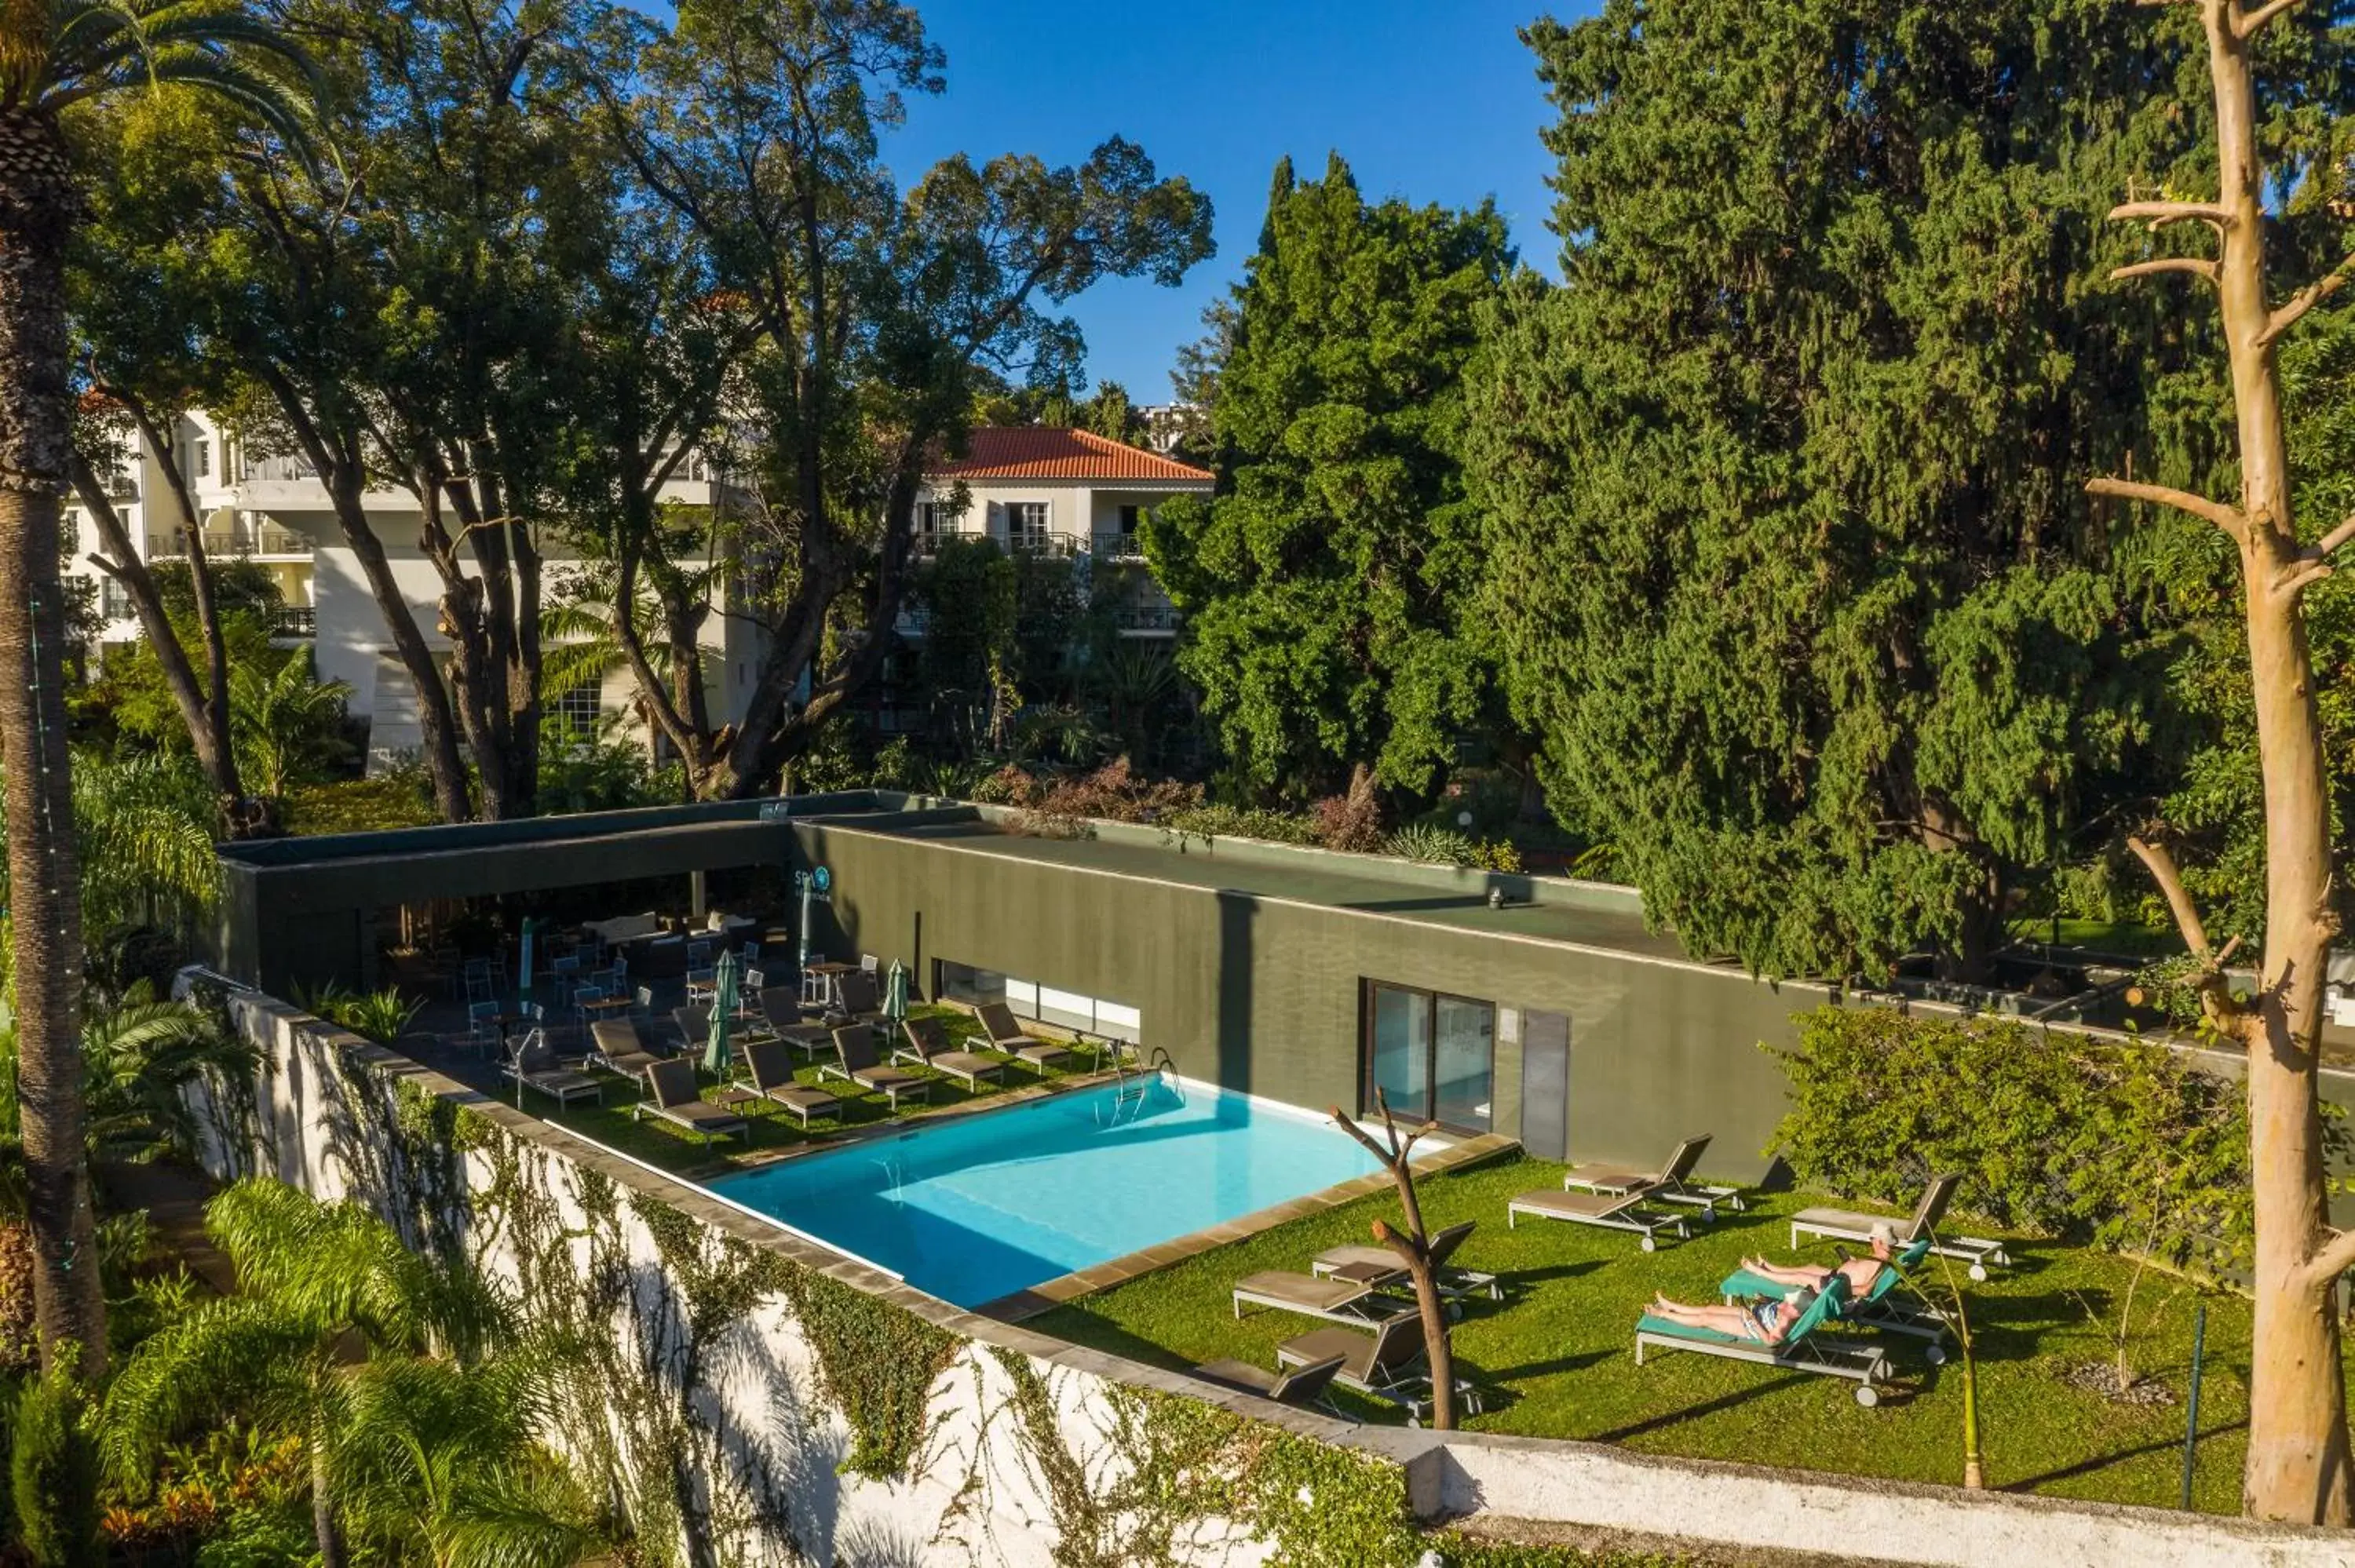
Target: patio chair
<point>693,1026</point>
<point>532,1064</point>
<point>929,1046</point>
<point>857,1000</point>
<point>1382,1269</point>
<point>1888,1304</point>
<point>787,1022</point>
<point>702,982</point>
<point>1804,1349</point>
<point>1671,1183</point>
<point>773,1079</point>
<point>1004,1034</point>
<point>674,1099</point>
<point>615,1044</point>
<point>698,954</point>
<point>481,1035</point>
<point>1340,1301</point>
<point>1623,1213</point>
<point>1285,1385</point>
<point>1850,1225</point>
<point>1383,1363</point>
<point>857,1059</point>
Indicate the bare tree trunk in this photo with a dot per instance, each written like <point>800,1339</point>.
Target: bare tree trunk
<point>2297,1466</point>
<point>44,871</point>
<point>1414,1248</point>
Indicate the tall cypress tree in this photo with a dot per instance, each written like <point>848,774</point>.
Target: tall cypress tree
<point>1790,555</point>
<point>1330,586</point>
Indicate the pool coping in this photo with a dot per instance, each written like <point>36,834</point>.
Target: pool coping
<point>1020,1305</point>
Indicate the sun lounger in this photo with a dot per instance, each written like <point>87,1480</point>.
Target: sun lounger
<point>1805,1348</point>
<point>532,1066</point>
<point>1888,1304</point>
<point>1342,1300</point>
<point>773,1079</point>
<point>857,999</point>
<point>1380,1266</point>
<point>1004,1034</point>
<point>928,1046</point>
<point>615,1044</point>
<point>857,1060</point>
<point>1619,1214</point>
<point>788,1023</point>
<point>1285,1385</point>
<point>1851,1224</point>
<point>674,1098</point>
<point>1671,1183</point>
<point>1385,1362</point>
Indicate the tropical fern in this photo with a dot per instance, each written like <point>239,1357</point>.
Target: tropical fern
<point>286,723</point>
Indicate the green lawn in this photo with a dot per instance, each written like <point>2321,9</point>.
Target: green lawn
<point>674,1149</point>
<point>1556,1354</point>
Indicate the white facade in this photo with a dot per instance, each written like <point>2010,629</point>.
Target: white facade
<point>275,512</point>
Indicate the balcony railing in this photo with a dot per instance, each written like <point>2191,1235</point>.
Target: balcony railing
<point>1051,545</point>
<point>1146,618</point>
<point>269,540</point>
<point>280,468</point>
<point>1119,547</point>
<point>295,620</point>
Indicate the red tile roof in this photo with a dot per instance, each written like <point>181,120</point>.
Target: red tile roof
<point>1049,453</point>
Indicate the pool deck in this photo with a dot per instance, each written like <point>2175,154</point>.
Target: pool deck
<point>1018,1305</point>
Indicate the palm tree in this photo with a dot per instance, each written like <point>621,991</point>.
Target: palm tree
<point>433,1430</point>
<point>54,54</point>
<point>283,722</point>
<point>143,829</point>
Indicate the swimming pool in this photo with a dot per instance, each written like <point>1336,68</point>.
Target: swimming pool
<point>982,1205</point>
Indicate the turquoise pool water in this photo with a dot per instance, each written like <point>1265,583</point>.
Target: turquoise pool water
<point>983,1206</point>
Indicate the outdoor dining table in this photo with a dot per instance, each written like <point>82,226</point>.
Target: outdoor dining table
<point>827,975</point>
<point>605,1005</point>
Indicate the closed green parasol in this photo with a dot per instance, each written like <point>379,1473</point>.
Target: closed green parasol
<point>895,991</point>
<point>723,1012</point>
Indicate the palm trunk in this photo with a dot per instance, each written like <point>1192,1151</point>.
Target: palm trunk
<point>44,876</point>
<point>329,1534</point>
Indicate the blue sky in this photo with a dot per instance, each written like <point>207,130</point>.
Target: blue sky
<point>1431,100</point>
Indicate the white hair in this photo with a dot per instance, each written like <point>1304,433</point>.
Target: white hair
<point>1883,1233</point>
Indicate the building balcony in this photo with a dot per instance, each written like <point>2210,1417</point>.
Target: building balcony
<point>1118,547</point>
<point>267,542</point>
<point>1146,618</point>
<point>295,620</point>
<point>1051,545</point>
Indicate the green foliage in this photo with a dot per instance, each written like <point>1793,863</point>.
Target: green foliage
<point>382,1016</point>
<point>1790,551</point>
<point>286,723</point>
<point>1439,846</point>
<point>1216,822</point>
<point>360,805</point>
<point>1329,589</point>
<point>601,770</point>
<point>144,826</point>
<point>877,1363</point>
<point>2121,1145</point>
<point>53,1475</point>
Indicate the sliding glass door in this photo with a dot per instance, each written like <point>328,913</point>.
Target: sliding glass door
<point>1431,1056</point>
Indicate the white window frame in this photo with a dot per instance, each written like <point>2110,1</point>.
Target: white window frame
<point>1024,536</point>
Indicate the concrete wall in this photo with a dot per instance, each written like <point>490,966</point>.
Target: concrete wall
<point>734,1413</point>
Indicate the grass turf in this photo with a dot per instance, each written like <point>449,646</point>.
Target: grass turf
<point>1556,1358</point>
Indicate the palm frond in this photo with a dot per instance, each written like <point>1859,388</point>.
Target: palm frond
<point>237,1350</point>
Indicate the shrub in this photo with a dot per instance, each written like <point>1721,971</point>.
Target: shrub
<point>1352,821</point>
<point>2122,1145</point>
<point>53,1475</point>
<point>1240,822</point>
<point>1432,845</point>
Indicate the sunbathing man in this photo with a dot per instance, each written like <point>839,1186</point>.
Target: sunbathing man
<point>1766,1321</point>
<point>1862,1273</point>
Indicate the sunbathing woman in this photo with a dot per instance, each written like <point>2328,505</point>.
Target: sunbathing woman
<point>1766,1321</point>
<point>1862,1273</point>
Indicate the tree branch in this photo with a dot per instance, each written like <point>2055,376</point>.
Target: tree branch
<point>2228,518</point>
<point>2298,304</point>
<point>2329,543</point>
<point>2162,868</point>
<point>2208,270</point>
<point>2246,23</point>
<point>2159,212</point>
<point>2331,1260</point>
<point>2298,577</point>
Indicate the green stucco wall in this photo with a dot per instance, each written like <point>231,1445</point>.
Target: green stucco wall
<point>1263,995</point>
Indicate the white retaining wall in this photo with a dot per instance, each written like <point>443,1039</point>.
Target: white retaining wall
<point>778,1493</point>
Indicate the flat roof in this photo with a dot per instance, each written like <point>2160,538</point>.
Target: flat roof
<point>1307,877</point>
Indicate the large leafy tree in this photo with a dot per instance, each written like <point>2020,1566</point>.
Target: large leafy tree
<point>877,314</point>
<point>1331,586</point>
<point>1788,547</point>
<point>55,56</point>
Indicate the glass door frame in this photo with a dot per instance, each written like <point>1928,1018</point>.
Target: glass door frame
<point>1430,1000</point>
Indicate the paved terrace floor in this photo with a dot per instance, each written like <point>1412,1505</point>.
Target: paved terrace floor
<point>1370,892</point>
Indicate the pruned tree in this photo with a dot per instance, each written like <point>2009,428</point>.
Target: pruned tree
<point>2298,1466</point>
<point>1412,1244</point>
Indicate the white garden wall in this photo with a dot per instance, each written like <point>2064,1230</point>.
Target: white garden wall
<point>714,1416</point>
